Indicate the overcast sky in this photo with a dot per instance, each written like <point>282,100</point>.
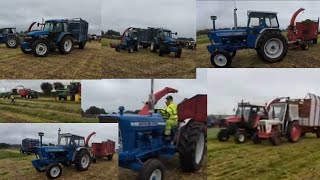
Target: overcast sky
<point>178,15</point>
<point>7,85</point>
<point>21,13</point>
<point>224,11</point>
<point>227,87</point>
<point>13,133</point>
<point>112,93</point>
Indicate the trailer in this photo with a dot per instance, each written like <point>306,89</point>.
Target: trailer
<point>29,146</point>
<point>102,150</point>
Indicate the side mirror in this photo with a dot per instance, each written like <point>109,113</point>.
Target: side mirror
<point>38,24</point>
<point>176,33</point>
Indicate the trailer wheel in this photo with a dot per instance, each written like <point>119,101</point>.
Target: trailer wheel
<point>192,146</point>
<point>294,132</point>
<point>12,42</point>
<point>275,139</point>
<point>256,139</point>
<point>82,160</point>
<point>315,41</point>
<point>54,171</point>
<point>40,48</point>
<point>240,137</point>
<point>82,45</point>
<point>152,169</point>
<point>221,59</point>
<point>153,47</point>
<point>223,135</point>
<point>66,45</point>
<point>272,46</point>
<point>110,157</point>
<point>130,49</point>
<point>304,46</point>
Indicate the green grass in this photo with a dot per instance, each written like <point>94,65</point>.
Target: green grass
<point>4,154</point>
<point>105,42</point>
<point>202,39</point>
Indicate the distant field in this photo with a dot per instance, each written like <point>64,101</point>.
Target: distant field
<point>42,110</point>
<point>227,160</point>
<point>14,165</point>
<point>249,58</point>
<point>144,64</point>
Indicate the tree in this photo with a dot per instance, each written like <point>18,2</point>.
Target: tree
<point>95,110</point>
<point>46,88</point>
<point>58,85</point>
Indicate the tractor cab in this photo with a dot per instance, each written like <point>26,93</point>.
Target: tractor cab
<point>71,140</point>
<point>7,31</point>
<point>166,36</point>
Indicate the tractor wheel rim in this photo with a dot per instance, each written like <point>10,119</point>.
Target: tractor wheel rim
<point>12,42</point>
<point>41,49</point>
<point>156,175</point>
<point>273,48</point>
<point>241,137</point>
<point>131,49</point>
<point>67,45</point>
<point>295,133</point>
<point>151,47</point>
<point>85,161</point>
<point>220,60</point>
<point>55,171</point>
<point>199,148</point>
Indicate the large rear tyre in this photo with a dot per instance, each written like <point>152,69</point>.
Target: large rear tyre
<point>223,135</point>
<point>221,59</point>
<point>294,132</point>
<point>272,46</point>
<point>82,160</point>
<point>152,169</point>
<point>54,171</point>
<point>192,142</point>
<point>40,48</point>
<point>66,45</point>
<point>240,137</point>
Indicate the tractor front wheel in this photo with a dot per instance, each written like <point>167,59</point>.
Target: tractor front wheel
<point>275,139</point>
<point>223,135</point>
<point>130,49</point>
<point>256,139</point>
<point>221,59</point>
<point>54,171</point>
<point>272,46</point>
<point>82,161</point>
<point>152,169</point>
<point>12,42</point>
<point>240,137</point>
<point>192,146</point>
<point>66,45</point>
<point>40,48</point>
<point>294,132</point>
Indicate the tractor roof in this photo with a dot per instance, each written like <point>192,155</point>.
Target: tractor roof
<point>8,28</point>
<point>57,20</point>
<point>70,135</point>
<point>261,12</point>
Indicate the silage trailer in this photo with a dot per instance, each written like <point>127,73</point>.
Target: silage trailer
<point>105,149</point>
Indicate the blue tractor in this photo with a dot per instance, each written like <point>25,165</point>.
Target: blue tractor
<point>62,34</point>
<point>129,40</point>
<point>262,34</point>
<point>9,37</point>
<point>142,141</point>
<point>71,149</point>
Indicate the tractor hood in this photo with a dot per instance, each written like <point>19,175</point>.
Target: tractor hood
<point>226,33</point>
<point>51,149</point>
<point>37,33</point>
<point>233,119</point>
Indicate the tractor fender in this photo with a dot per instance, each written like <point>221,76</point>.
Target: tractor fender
<point>262,32</point>
<point>62,35</point>
<point>78,150</point>
<point>181,127</point>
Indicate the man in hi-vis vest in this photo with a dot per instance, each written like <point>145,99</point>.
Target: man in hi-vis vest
<point>170,114</point>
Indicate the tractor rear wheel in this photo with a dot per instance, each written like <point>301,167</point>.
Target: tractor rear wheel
<point>221,59</point>
<point>54,171</point>
<point>275,139</point>
<point>240,137</point>
<point>192,142</point>
<point>66,45</point>
<point>12,42</point>
<point>223,135</point>
<point>82,161</point>
<point>272,46</point>
<point>110,157</point>
<point>40,48</point>
<point>294,132</point>
<point>152,169</point>
<point>256,139</point>
<point>82,45</point>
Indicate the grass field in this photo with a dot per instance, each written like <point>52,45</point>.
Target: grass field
<point>173,172</point>
<point>42,110</point>
<point>80,64</point>
<point>14,165</point>
<point>249,58</point>
<point>227,160</point>
<point>144,64</point>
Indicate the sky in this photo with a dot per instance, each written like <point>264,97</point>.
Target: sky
<point>224,11</point>
<point>7,85</point>
<point>13,133</point>
<point>132,93</point>
<point>227,87</point>
<point>21,13</point>
<point>178,15</point>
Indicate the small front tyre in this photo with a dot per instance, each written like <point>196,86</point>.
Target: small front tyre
<point>221,59</point>
<point>54,171</point>
<point>40,48</point>
<point>152,169</point>
<point>240,137</point>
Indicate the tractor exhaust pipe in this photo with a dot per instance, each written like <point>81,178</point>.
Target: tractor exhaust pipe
<point>151,98</point>
<point>235,18</point>
<point>40,134</point>
<point>213,18</point>
<point>59,136</point>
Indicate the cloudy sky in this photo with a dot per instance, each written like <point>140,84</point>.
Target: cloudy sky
<point>13,133</point>
<point>178,15</point>
<point>7,85</point>
<point>112,93</point>
<point>21,13</point>
<point>227,87</point>
<point>224,11</point>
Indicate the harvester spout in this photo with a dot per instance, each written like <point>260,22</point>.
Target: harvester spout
<point>294,16</point>
<point>31,25</point>
<point>88,138</point>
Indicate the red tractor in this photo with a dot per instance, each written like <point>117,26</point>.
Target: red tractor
<point>243,124</point>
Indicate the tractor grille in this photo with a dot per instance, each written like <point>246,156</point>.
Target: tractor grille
<point>262,128</point>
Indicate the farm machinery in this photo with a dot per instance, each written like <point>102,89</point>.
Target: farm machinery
<point>71,149</point>
<point>9,37</point>
<point>29,146</point>
<point>243,124</point>
<point>262,34</point>
<point>129,40</point>
<point>62,34</point>
<point>289,118</point>
<point>26,93</point>
<point>71,93</point>
<point>142,140</point>
<point>102,150</point>
<point>302,33</point>
<point>188,43</point>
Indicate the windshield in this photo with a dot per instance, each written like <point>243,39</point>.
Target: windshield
<point>277,111</point>
<point>65,141</point>
<point>167,34</point>
<point>73,141</point>
<point>245,110</point>
<point>53,27</point>
<point>263,20</point>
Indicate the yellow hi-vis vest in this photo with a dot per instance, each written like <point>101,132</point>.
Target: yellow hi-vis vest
<point>172,111</point>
